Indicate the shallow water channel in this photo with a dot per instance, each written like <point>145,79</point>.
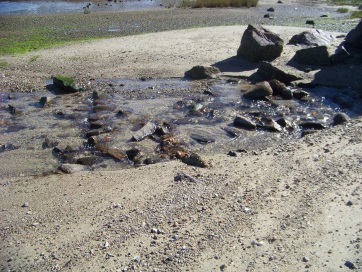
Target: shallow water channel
<point>198,114</point>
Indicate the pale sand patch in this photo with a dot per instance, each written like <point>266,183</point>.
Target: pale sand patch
<point>160,55</point>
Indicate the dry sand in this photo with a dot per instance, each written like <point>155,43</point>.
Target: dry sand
<point>292,208</point>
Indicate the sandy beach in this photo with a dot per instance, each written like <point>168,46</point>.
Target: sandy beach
<point>294,207</point>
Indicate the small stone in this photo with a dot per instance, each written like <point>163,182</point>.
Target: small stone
<point>305,259</point>
<point>232,154</point>
<point>350,265</point>
<point>26,204</point>
<point>105,245</point>
<point>257,243</point>
<point>223,267</point>
<point>349,203</point>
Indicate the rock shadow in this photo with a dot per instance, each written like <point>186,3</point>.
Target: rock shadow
<point>54,89</point>
<point>236,64</point>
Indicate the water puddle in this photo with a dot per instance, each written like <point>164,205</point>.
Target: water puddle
<point>192,116</point>
<point>52,7</point>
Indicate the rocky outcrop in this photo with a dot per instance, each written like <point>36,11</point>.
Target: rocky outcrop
<point>202,72</point>
<point>258,91</point>
<point>313,37</point>
<point>259,43</point>
<point>268,72</point>
<point>315,56</point>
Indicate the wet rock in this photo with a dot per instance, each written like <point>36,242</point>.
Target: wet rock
<point>202,137</point>
<point>287,94</point>
<point>98,124</point>
<point>233,132</point>
<point>124,113</point>
<point>311,125</point>
<point>340,119</point>
<point>268,72</point>
<point>283,122</point>
<point>270,10</point>
<point>95,132</point>
<point>112,152</point>
<point>258,43</point>
<point>45,101</point>
<point>66,84</point>
<point>245,123</point>
<point>316,56</point>
<point>269,124</point>
<point>148,161</point>
<point>258,91</point>
<point>299,94</point>
<point>72,168</point>
<point>88,160</point>
<point>202,72</point>
<point>277,86</point>
<point>92,141</point>
<point>313,37</point>
<point>134,155</point>
<point>194,160</point>
<point>147,130</point>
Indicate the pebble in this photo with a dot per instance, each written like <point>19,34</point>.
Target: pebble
<point>223,267</point>
<point>350,265</point>
<point>26,204</point>
<point>105,245</point>
<point>349,203</point>
<point>305,259</point>
<point>257,243</point>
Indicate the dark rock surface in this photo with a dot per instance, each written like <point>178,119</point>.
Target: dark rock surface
<point>258,43</point>
<point>202,72</point>
<point>313,37</point>
<point>258,91</point>
<point>268,72</point>
<point>244,122</point>
<point>316,56</point>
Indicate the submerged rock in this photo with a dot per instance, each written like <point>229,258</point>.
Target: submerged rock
<point>147,130</point>
<point>258,91</point>
<point>244,122</point>
<point>72,168</point>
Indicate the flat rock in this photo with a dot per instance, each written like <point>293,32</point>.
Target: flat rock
<point>147,130</point>
<point>244,122</point>
<point>72,168</point>
<point>268,72</point>
<point>313,37</point>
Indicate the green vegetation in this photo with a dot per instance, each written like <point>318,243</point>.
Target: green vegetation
<point>68,81</point>
<point>342,10</point>
<point>346,2</point>
<point>218,3</point>
<point>356,14</point>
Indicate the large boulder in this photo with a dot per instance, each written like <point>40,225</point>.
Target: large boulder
<point>268,72</point>
<point>259,43</point>
<point>354,37</point>
<point>315,56</point>
<point>258,91</point>
<point>313,37</point>
<point>202,72</point>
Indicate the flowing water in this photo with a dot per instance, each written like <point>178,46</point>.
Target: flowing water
<point>199,114</point>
